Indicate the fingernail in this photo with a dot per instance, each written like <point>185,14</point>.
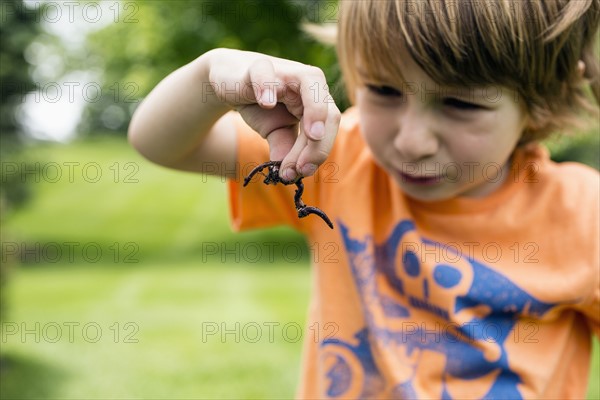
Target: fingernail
<point>267,97</point>
<point>317,130</point>
<point>289,174</point>
<point>309,169</point>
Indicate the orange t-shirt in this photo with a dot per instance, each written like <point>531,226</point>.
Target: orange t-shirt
<point>465,298</point>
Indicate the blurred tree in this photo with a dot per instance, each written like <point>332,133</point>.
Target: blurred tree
<point>583,148</point>
<point>19,26</point>
<point>150,39</point>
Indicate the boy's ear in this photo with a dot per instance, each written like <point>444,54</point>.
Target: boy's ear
<point>581,68</point>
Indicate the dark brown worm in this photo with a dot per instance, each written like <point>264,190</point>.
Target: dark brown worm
<point>272,178</point>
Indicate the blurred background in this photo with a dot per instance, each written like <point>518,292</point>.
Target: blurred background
<point>121,279</point>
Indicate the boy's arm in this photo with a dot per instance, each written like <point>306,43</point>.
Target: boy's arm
<point>178,126</point>
<point>183,124</point>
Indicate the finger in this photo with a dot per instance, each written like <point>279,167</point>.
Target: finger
<point>277,126</point>
<point>316,152</point>
<point>281,142</point>
<point>288,169</point>
<point>264,82</point>
<point>315,100</point>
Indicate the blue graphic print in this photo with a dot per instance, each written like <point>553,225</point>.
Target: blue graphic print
<point>395,287</point>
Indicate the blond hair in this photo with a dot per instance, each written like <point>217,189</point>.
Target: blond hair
<point>532,47</point>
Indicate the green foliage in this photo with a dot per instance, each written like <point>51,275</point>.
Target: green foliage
<point>583,148</point>
<point>18,28</point>
<point>153,38</point>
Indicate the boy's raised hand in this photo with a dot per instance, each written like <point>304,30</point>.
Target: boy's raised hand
<point>286,102</point>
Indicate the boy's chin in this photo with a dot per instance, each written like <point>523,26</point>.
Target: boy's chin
<point>427,194</point>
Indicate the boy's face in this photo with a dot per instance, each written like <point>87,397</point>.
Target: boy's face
<point>439,142</point>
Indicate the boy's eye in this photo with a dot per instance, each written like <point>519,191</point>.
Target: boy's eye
<point>386,91</point>
<point>460,105</point>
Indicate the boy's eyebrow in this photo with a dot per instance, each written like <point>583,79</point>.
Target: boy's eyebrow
<point>362,73</point>
<point>473,93</point>
<point>370,76</point>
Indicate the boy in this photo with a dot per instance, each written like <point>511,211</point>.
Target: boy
<point>468,261</point>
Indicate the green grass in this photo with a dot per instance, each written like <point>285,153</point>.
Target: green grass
<point>150,225</point>
<point>144,332</point>
<point>165,213</point>
<point>153,292</point>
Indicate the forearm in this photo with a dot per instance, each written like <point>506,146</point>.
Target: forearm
<point>176,116</point>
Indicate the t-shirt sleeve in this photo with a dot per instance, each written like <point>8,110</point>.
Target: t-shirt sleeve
<point>258,205</point>
<point>591,307</point>
<point>589,192</point>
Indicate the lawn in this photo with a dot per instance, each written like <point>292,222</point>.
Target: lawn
<point>122,296</point>
<point>160,331</point>
<point>134,287</point>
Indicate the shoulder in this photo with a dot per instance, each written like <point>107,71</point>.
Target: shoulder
<point>567,194</point>
<point>573,185</point>
<point>576,175</point>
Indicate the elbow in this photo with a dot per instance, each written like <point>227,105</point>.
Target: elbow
<point>134,137</point>
<point>149,146</point>
<point>138,139</point>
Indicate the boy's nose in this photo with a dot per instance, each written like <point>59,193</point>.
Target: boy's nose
<point>415,140</point>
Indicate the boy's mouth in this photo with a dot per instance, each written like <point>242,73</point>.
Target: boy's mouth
<point>423,180</point>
